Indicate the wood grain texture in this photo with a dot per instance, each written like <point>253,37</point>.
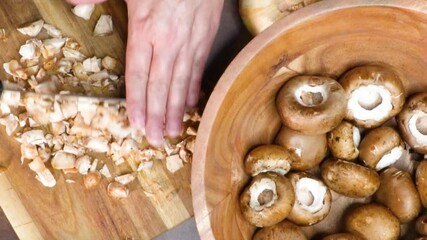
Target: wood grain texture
<point>326,38</point>
<point>158,201</point>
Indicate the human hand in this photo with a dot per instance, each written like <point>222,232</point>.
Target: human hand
<point>167,49</point>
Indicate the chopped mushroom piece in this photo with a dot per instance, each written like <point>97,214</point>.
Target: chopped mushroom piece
<point>105,171</point>
<point>28,51</point>
<point>2,169</point>
<point>52,31</point>
<point>33,29</point>
<point>84,11</point>
<point>174,163</point>
<point>83,164</point>
<point>117,190</point>
<point>145,166</point>
<point>104,26</point>
<point>3,36</point>
<point>63,160</point>
<point>91,180</point>
<point>125,179</point>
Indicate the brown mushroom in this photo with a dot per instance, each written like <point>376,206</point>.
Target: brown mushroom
<point>311,105</point>
<point>312,199</point>
<point>372,221</point>
<point>269,158</point>
<point>344,141</point>
<point>259,15</point>
<point>376,94</point>
<point>412,122</point>
<point>349,179</point>
<point>381,147</point>
<point>267,200</point>
<point>398,192</point>
<point>342,236</point>
<point>310,149</point>
<point>421,181</point>
<point>421,225</point>
<point>2,169</point>
<point>284,230</point>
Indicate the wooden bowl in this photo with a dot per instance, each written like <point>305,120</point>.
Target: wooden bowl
<point>326,38</point>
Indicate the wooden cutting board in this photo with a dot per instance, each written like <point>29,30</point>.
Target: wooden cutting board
<point>158,200</point>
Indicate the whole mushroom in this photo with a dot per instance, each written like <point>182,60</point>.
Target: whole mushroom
<point>309,149</point>
<point>421,181</point>
<point>376,94</point>
<point>312,199</point>
<point>342,236</point>
<point>344,141</point>
<point>259,15</point>
<point>267,200</point>
<point>349,179</point>
<point>421,225</point>
<point>398,192</point>
<point>372,221</point>
<point>284,230</point>
<point>381,147</point>
<point>269,158</point>
<point>311,105</point>
<point>412,122</point>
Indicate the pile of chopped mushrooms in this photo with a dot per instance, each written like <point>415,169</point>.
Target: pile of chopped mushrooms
<point>90,137</point>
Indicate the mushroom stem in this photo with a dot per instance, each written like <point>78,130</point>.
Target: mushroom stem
<point>263,194</point>
<point>310,194</point>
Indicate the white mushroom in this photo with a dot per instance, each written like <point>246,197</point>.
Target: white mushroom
<point>33,29</point>
<point>84,11</point>
<point>104,26</point>
<point>29,151</point>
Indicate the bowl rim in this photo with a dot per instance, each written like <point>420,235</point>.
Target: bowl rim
<point>257,44</point>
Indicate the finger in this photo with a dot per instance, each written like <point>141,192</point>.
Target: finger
<point>138,62</point>
<point>157,94</point>
<point>200,59</point>
<point>76,2</point>
<point>178,92</point>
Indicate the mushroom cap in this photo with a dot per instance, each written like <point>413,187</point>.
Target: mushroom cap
<point>398,192</point>
<point>312,199</point>
<point>311,105</point>
<point>412,120</point>
<point>344,140</point>
<point>372,221</point>
<point>379,142</point>
<point>421,181</point>
<point>349,179</point>
<point>259,15</point>
<point>269,158</point>
<point>281,231</point>
<point>385,84</point>
<point>310,149</point>
<point>421,225</point>
<point>276,207</point>
<point>342,236</point>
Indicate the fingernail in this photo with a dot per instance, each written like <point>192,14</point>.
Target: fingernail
<point>174,129</point>
<point>155,138</point>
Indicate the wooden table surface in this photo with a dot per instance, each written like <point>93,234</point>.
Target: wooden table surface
<point>158,200</point>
